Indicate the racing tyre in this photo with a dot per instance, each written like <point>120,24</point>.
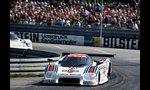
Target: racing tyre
<point>98,78</point>
<point>108,74</point>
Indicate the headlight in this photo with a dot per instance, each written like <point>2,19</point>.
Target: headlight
<point>50,75</point>
<point>89,76</point>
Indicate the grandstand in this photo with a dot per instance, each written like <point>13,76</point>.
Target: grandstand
<point>117,14</point>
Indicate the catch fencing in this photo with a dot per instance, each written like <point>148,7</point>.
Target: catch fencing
<point>78,31</point>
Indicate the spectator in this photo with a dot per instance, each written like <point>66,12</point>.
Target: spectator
<point>78,23</point>
<point>62,21</point>
<point>114,20</point>
<point>36,19</point>
<point>49,21</point>
<point>33,21</point>
<point>106,20</point>
<point>97,22</point>
<point>130,25</point>
<point>119,21</point>
<point>135,26</point>
<point>69,14</point>
<point>67,22</point>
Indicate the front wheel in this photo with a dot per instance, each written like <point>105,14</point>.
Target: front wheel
<point>108,74</point>
<point>98,76</point>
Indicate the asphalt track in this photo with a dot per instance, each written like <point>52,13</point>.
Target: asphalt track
<point>125,74</point>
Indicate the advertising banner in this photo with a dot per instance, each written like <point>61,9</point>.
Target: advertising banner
<point>112,42</point>
<point>52,38</point>
<point>81,40</point>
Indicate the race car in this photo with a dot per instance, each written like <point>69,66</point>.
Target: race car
<point>79,69</point>
<point>16,42</point>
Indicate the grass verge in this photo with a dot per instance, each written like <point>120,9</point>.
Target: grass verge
<point>26,75</point>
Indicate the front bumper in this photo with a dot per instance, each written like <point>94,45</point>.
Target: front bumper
<point>66,79</point>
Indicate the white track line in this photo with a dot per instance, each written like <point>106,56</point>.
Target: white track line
<point>102,51</point>
<point>137,52</point>
<point>132,59</point>
<point>59,48</point>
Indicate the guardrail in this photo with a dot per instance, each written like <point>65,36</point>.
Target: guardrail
<point>32,65</point>
<point>79,31</point>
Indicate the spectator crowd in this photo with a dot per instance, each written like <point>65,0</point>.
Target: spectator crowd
<point>79,14</point>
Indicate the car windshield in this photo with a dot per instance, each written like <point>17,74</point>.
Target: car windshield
<point>14,37</point>
<point>74,62</point>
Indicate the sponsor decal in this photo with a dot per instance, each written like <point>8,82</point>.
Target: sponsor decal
<point>95,41</point>
<point>102,61</point>
<point>16,45</point>
<point>51,38</point>
<point>70,70</point>
<point>76,74</point>
<point>62,74</point>
<point>121,43</point>
<point>112,42</point>
<point>34,37</point>
<point>57,39</point>
<point>77,55</point>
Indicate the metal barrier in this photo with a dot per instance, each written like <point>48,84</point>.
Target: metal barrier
<point>80,31</point>
<point>31,65</point>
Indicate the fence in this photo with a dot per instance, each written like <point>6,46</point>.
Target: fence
<point>79,31</point>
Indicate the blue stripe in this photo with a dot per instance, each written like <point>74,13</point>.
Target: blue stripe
<point>85,69</point>
<point>54,68</point>
<point>46,68</point>
<point>88,69</point>
<point>95,69</point>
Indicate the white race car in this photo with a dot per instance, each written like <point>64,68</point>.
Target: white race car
<point>79,69</point>
<point>16,42</point>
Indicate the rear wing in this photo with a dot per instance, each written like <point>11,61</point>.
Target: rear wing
<point>91,54</point>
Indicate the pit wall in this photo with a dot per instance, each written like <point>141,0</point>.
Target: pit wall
<point>81,40</point>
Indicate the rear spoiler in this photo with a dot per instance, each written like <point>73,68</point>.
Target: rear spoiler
<point>91,54</point>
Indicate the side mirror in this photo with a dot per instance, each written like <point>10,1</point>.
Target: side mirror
<point>60,62</point>
<point>49,60</point>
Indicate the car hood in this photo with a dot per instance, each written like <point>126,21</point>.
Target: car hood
<point>70,70</point>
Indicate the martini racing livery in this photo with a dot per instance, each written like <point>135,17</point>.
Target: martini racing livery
<point>79,69</point>
<point>16,42</point>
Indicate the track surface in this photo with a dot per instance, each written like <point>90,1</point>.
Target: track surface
<point>125,74</point>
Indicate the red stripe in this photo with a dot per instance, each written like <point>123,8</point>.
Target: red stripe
<point>91,70</point>
<point>51,67</point>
